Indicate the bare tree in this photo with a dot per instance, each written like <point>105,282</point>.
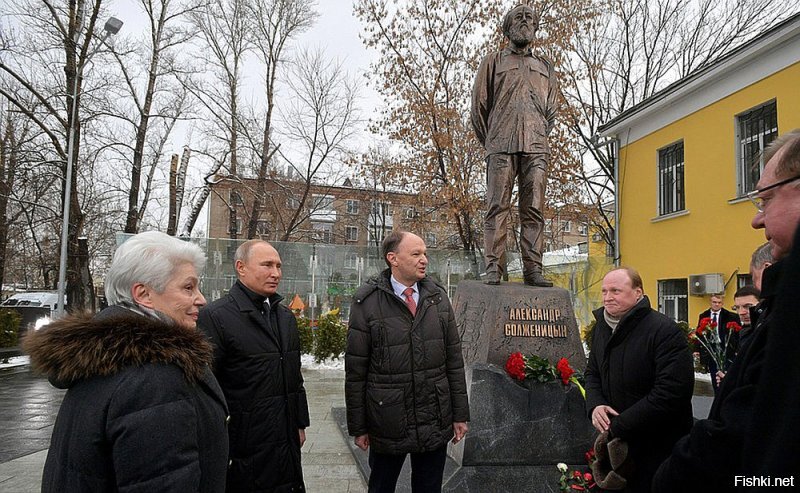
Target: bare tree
<point>319,119</point>
<point>276,22</point>
<point>69,39</point>
<point>224,29</point>
<point>152,96</point>
<point>633,50</point>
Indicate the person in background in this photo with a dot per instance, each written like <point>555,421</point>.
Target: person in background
<point>405,387</point>
<point>761,259</point>
<point>257,362</point>
<point>746,300</point>
<point>751,426</point>
<point>639,377</point>
<point>142,412</point>
<point>721,317</point>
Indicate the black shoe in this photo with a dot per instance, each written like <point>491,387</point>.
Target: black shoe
<point>492,278</point>
<point>537,279</point>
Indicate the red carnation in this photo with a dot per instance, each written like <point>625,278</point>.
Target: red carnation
<point>705,323</point>
<point>733,326</point>
<point>576,474</point>
<point>590,456</point>
<point>587,476</point>
<point>564,370</point>
<point>515,366</point>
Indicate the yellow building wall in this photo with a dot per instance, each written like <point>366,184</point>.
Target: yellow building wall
<point>714,236</point>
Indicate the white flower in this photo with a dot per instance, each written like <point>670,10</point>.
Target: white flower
<point>561,467</point>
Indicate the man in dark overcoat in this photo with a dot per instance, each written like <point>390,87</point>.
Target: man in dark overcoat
<point>639,378</point>
<point>721,317</point>
<point>257,363</point>
<point>405,387</point>
<point>752,427</point>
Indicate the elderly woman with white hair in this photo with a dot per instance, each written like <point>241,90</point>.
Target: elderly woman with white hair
<point>142,412</point>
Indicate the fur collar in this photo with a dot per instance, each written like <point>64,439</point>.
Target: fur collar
<point>78,347</point>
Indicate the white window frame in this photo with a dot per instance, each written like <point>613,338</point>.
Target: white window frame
<point>671,179</point>
<point>746,175</point>
<point>348,230</point>
<point>674,305</point>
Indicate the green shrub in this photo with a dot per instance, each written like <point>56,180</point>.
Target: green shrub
<point>306,335</point>
<point>331,337</point>
<point>9,327</point>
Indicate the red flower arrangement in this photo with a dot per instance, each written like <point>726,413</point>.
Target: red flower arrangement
<point>539,369</point>
<point>577,480</point>
<point>564,370</point>
<point>515,366</point>
<point>707,335</point>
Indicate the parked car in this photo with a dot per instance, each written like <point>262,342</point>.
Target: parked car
<point>35,308</point>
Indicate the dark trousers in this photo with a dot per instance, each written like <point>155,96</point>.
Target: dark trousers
<point>426,471</point>
<point>530,170</point>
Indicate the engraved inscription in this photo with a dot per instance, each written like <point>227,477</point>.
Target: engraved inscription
<point>534,322</point>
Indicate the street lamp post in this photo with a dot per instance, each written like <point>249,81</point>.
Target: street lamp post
<point>112,26</point>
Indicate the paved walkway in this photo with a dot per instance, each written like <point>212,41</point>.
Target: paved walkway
<point>28,406</point>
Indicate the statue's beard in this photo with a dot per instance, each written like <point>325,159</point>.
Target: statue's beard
<point>520,34</point>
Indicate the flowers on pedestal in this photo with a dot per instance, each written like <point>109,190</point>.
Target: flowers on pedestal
<point>539,369</point>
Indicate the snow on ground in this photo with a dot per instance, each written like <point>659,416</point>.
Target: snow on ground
<point>15,361</point>
<point>307,362</point>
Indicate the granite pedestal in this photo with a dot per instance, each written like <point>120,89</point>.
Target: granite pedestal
<point>518,431</point>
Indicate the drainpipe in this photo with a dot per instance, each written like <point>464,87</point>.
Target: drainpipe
<point>615,156</point>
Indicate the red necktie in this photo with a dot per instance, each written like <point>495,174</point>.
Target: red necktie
<point>412,306</point>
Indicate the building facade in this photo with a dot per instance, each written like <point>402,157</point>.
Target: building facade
<point>357,216</point>
<point>686,158</point>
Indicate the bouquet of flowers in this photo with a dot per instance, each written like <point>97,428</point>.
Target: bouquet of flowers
<point>707,334</point>
<point>539,369</point>
<point>577,480</point>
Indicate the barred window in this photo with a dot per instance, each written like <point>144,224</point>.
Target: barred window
<point>670,180</point>
<point>755,129</point>
<point>673,299</point>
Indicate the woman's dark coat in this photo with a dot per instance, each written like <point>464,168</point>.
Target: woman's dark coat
<point>644,372</point>
<point>405,383</point>
<point>143,412</point>
<point>257,364</point>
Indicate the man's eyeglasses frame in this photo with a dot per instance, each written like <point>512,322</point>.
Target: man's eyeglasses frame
<point>759,201</point>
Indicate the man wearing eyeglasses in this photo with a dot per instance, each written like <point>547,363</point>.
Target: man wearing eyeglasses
<point>752,426</point>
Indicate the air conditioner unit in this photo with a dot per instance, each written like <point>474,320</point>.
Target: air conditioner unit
<point>702,284</point>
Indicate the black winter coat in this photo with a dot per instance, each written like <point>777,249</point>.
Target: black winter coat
<point>405,383</point>
<point>644,372</point>
<point>709,457</point>
<point>257,364</point>
<point>143,412</point>
<point>772,444</point>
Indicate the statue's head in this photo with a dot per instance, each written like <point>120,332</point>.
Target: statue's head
<point>520,25</point>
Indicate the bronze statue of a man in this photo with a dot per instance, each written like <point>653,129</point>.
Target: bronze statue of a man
<point>514,104</point>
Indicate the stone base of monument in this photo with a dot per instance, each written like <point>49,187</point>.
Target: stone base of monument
<point>518,433</point>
